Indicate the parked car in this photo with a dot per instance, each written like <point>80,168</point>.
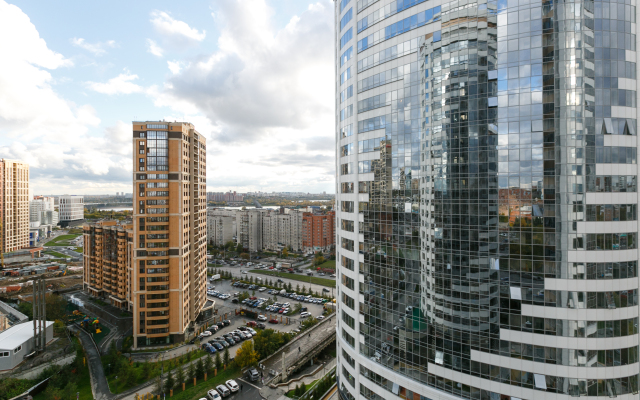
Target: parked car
<point>262,318</point>
<point>232,385</point>
<point>226,322</point>
<point>304,314</point>
<point>252,374</point>
<point>213,395</point>
<point>252,323</point>
<point>273,321</point>
<point>261,325</point>
<point>223,390</point>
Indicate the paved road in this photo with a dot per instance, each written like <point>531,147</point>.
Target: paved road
<point>99,385</point>
<point>302,345</point>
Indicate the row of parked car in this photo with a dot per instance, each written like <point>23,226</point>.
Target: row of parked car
<point>225,390</point>
<point>217,294</point>
<point>228,339</point>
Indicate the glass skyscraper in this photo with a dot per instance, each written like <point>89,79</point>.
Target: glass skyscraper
<point>487,199</point>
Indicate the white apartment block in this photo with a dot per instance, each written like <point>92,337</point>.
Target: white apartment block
<point>70,209</point>
<point>220,229</point>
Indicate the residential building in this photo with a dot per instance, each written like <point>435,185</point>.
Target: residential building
<point>108,255</point>
<point>229,196</point>
<point>282,228</point>
<point>318,231</point>
<point>170,232</point>
<point>221,226</point>
<point>249,225</point>
<point>14,205</point>
<point>486,200</point>
<point>70,210</point>
<point>17,342</point>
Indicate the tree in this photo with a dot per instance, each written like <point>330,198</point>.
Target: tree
<point>55,307</point>
<point>226,358</point>
<point>218,361</point>
<point>208,363</point>
<point>304,289</point>
<point>191,371</point>
<point>229,245</point>
<point>244,256</point>
<point>180,378</point>
<point>297,288</point>
<point>239,248</point>
<point>285,253</point>
<point>26,309</point>
<point>289,288</point>
<point>246,355</point>
<point>170,383</point>
<point>200,368</point>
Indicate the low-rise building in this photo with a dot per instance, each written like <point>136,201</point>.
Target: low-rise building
<point>17,342</point>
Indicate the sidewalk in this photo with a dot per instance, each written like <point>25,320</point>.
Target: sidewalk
<point>278,393</point>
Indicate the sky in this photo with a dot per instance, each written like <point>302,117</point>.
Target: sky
<point>255,77</point>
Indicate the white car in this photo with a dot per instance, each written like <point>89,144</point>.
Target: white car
<point>262,289</point>
<point>213,395</point>
<point>320,317</point>
<point>253,332</point>
<point>206,333</point>
<point>223,390</point>
<point>232,385</point>
<point>262,318</point>
<point>304,314</point>
<point>244,272</point>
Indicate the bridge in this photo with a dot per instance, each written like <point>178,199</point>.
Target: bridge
<point>109,204</point>
<point>299,351</point>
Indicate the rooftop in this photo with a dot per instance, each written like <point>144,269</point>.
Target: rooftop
<point>17,335</point>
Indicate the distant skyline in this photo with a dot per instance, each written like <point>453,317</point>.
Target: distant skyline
<point>254,76</point>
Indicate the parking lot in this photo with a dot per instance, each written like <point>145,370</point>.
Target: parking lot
<point>239,272</point>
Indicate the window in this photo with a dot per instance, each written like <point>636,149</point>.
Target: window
<point>347,226</point>
<point>345,76</point>
<point>346,94</point>
<point>364,166</point>
<point>348,358</point>
<point>367,146</point>
<point>347,263</point>
<point>345,169</point>
<point>346,18</point>
<point>348,338</point>
<point>17,349</point>
<point>157,126</point>
<point>346,150</point>
<point>343,4</point>
<point>346,56</point>
<point>346,206</point>
<point>346,112</point>
<point>348,35</point>
<point>347,244</point>
<point>348,319</point>
<point>347,187</point>
<point>348,282</point>
<point>5,354</point>
<point>346,131</point>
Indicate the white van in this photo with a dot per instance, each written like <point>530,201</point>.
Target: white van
<point>304,314</point>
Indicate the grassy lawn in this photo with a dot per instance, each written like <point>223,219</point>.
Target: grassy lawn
<point>79,249</point>
<point>295,277</point>
<point>62,240</point>
<point>56,254</point>
<point>327,264</point>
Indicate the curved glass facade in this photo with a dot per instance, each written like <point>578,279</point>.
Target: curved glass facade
<point>494,152</point>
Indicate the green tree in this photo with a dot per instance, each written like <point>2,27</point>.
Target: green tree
<point>55,307</point>
<point>26,309</point>
<point>191,371</point>
<point>180,378</point>
<point>246,355</point>
<point>208,363</point>
<point>244,256</point>
<point>226,356</point>
<point>218,361</point>
<point>289,288</point>
<point>297,288</point>
<point>200,368</point>
<point>239,248</point>
<point>229,245</point>
<point>304,289</point>
<point>170,383</point>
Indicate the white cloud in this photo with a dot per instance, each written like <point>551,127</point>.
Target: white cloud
<point>153,48</point>
<point>97,49</point>
<point>39,126</point>
<point>267,95</point>
<point>176,66</point>
<point>175,32</point>
<point>121,84</point>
